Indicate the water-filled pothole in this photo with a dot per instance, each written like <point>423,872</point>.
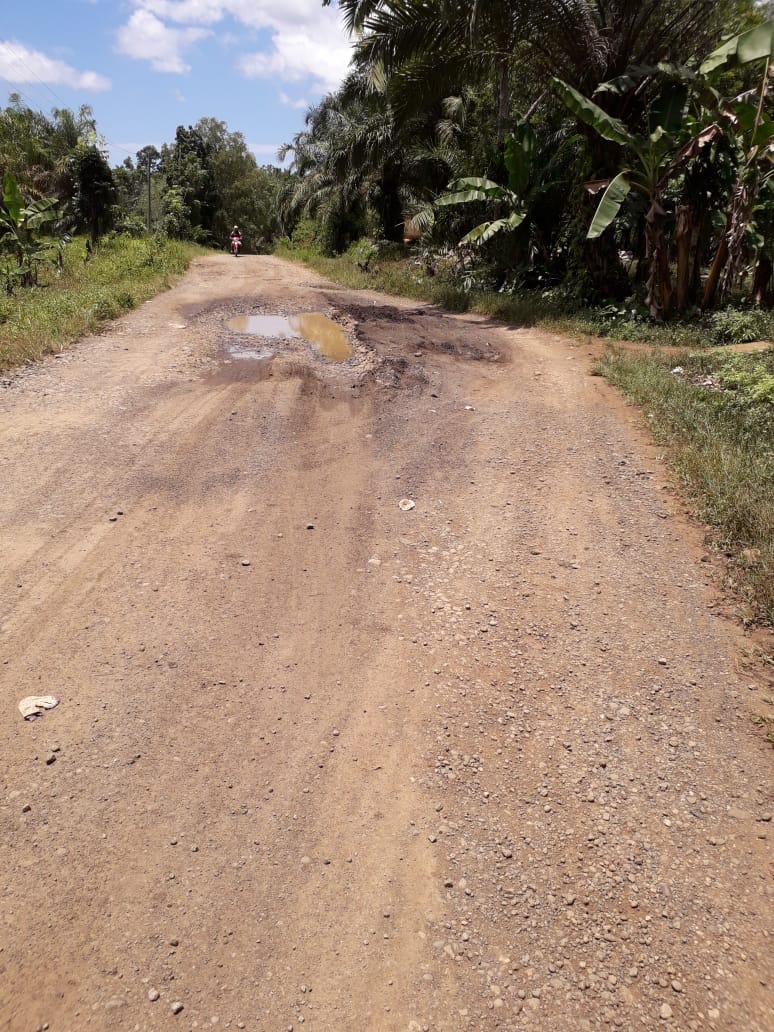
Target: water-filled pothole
<point>325,336</point>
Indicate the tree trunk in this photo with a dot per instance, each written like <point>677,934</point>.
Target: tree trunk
<point>391,207</point>
<point>665,277</point>
<point>697,250</point>
<point>659,284</point>
<point>713,279</point>
<point>741,210</point>
<point>503,97</point>
<point>683,234</point>
<point>761,280</point>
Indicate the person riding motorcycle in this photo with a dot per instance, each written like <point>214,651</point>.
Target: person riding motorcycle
<point>235,240</point>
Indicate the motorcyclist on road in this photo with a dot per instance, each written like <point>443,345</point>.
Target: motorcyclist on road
<point>235,236</point>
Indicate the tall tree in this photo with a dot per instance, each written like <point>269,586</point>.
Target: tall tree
<point>95,191</point>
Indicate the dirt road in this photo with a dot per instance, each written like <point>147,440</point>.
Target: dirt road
<point>320,763</point>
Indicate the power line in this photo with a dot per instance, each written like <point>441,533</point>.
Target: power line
<point>19,92</point>
<point>23,63</point>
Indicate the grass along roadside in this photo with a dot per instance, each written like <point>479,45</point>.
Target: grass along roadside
<point>715,413</point>
<point>409,277</point>
<point>424,276</point>
<point>120,274</point>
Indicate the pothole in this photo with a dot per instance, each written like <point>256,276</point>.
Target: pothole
<point>324,335</point>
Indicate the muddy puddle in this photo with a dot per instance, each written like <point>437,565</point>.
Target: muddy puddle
<point>321,333</point>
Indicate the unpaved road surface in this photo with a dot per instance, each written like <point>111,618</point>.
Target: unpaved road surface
<point>323,764</point>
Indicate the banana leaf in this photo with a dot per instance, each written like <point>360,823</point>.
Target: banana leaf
<point>519,158</point>
<point>13,202</point>
<point>753,45</point>
<point>590,113</point>
<point>473,189</point>
<point>610,205</point>
<point>487,230</point>
<point>41,212</point>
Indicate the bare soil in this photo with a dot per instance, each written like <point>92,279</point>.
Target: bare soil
<point>320,763</point>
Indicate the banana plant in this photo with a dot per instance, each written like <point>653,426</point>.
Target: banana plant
<point>755,131</point>
<point>519,152</point>
<point>20,226</point>
<point>652,160</point>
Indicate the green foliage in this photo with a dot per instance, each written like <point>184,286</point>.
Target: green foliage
<point>132,225</point>
<point>465,191</point>
<point>304,236</point>
<point>176,219</point>
<point>23,248</point>
<point>630,321</point>
<point>740,326</point>
<point>750,376</point>
<point>618,189</point>
<point>120,274</point>
<point>756,44</point>
<point>592,114</point>
<point>37,149</point>
<point>202,184</point>
<point>94,192</point>
<point>659,140</point>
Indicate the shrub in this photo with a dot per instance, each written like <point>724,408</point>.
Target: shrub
<point>740,326</point>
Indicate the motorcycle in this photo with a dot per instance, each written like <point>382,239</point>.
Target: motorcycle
<point>236,246</point>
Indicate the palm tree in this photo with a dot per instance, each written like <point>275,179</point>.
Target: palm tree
<point>444,45</point>
<point>583,42</point>
<point>355,155</point>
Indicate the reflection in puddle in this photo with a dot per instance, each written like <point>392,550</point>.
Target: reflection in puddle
<point>325,336</point>
<point>262,325</point>
<point>252,354</point>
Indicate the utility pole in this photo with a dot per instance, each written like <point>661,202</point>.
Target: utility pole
<point>149,192</point>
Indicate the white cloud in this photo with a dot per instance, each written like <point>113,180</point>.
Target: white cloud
<point>298,105</point>
<point>300,53</point>
<point>255,14</point>
<point>147,38</point>
<point>20,64</point>
<point>307,41</point>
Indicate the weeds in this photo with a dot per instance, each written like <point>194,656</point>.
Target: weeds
<point>427,278</point>
<point>444,277</point>
<point>88,290</point>
<point>714,412</point>
<point>727,326</point>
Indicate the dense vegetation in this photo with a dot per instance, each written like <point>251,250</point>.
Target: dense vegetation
<point>600,151</point>
<point>57,182</point>
<point>79,296</point>
<point>198,186</point>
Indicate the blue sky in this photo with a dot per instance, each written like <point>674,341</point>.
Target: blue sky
<point>147,66</point>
